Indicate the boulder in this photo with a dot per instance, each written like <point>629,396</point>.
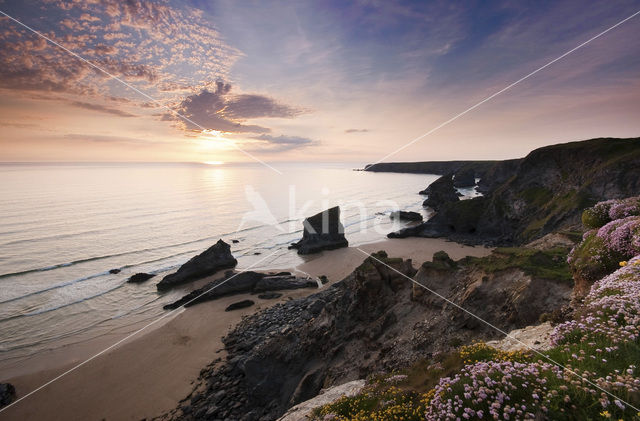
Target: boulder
<point>440,193</point>
<point>239,305</point>
<point>140,277</point>
<point>464,178</point>
<point>322,231</point>
<point>7,394</point>
<point>406,216</point>
<point>207,263</point>
<point>114,271</point>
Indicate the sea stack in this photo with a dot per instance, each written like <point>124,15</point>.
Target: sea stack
<point>440,192</point>
<point>322,231</point>
<point>207,263</point>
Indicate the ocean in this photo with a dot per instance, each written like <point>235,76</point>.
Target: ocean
<point>63,227</point>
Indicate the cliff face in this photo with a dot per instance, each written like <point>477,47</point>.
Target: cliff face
<point>544,192</point>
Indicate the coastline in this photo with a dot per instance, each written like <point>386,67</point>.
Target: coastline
<point>151,372</point>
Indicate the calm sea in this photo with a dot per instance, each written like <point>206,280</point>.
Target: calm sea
<point>63,227</point>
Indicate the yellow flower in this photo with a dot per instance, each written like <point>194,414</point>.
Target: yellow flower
<point>623,263</point>
<point>605,414</point>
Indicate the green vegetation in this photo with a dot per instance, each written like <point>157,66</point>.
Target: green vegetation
<point>546,264</point>
<point>552,208</point>
<point>537,196</point>
<point>593,219</point>
<point>441,261</point>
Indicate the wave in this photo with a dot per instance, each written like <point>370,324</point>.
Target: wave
<point>107,256</point>
<point>48,310</point>
<point>96,275</point>
<point>62,285</point>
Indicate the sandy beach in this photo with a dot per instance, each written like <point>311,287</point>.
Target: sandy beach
<point>151,372</point>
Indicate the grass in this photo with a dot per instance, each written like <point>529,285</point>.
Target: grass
<point>545,264</point>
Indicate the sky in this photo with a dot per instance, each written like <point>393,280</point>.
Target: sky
<point>348,81</point>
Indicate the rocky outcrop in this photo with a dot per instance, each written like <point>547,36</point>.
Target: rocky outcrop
<point>7,394</point>
<point>440,193</point>
<point>207,263</point>
<point>542,193</point>
<point>322,231</point>
<point>242,283</point>
<point>536,337</point>
<point>464,178</point>
<point>302,411</point>
<point>406,216</point>
<point>373,320</point>
<point>140,277</point>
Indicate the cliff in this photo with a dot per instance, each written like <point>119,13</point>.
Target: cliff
<point>544,192</point>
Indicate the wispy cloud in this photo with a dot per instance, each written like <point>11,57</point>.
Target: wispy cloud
<point>101,108</point>
<point>270,144</point>
<point>110,139</point>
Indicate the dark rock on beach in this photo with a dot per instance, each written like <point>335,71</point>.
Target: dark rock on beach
<point>322,231</point>
<point>270,295</point>
<point>242,283</point>
<point>207,263</point>
<point>114,271</point>
<point>7,394</point>
<point>239,305</point>
<point>282,282</point>
<point>140,277</point>
<point>440,192</point>
<point>406,216</point>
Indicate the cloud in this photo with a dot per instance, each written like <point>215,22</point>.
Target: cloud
<point>218,109</point>
<point>270,144</point>
<point>145,43</point>
<point>101,108</point>
<point>17,125</point>
<point>257,106</point>
<point>109,139</point>
<point>356,130</point>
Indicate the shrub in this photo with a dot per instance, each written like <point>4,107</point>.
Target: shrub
<point>604,212</point>
<point>613,236</point>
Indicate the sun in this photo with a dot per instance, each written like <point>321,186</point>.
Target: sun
<point>215,140</point>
